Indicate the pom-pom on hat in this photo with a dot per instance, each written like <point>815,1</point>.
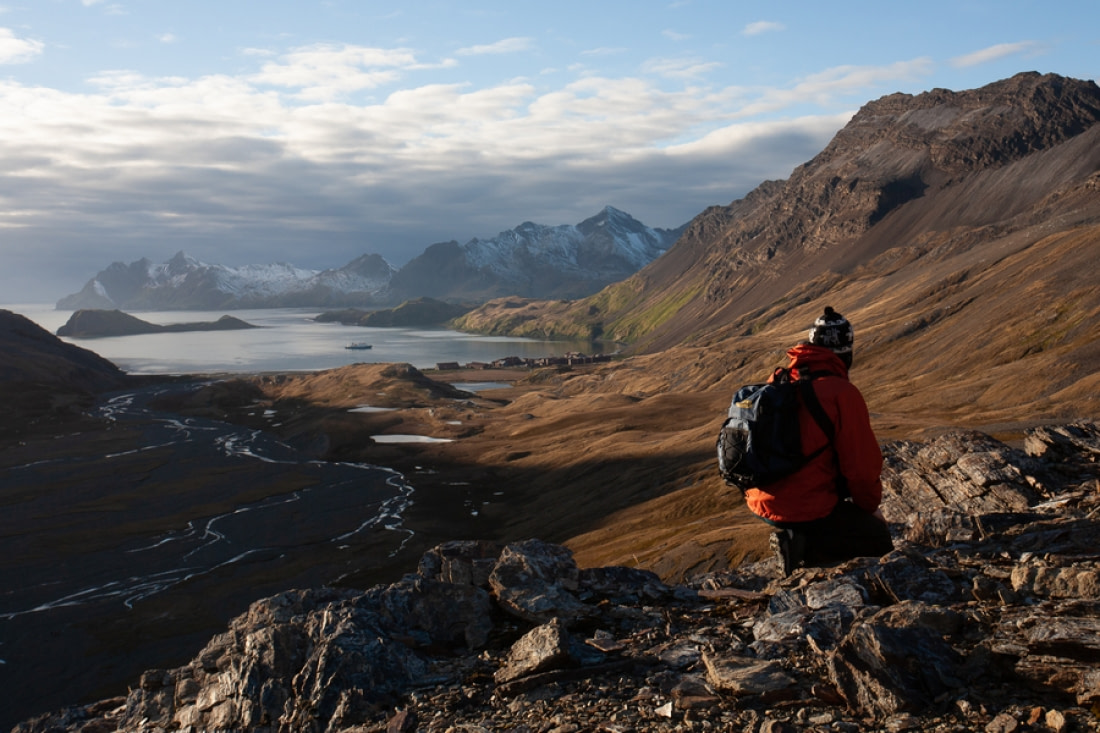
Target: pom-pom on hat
<point>832,331</point>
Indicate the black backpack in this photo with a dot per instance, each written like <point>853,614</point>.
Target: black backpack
<point>760,441</point>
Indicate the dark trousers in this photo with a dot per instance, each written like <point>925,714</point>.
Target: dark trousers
<point>845,533</point>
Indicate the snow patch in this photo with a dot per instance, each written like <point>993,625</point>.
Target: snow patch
<point>408,439</point>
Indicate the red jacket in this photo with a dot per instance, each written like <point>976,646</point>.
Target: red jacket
<point>810,493</point>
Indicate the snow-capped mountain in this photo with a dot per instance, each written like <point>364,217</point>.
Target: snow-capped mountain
<point>532,260</point>
<point>185,283</point>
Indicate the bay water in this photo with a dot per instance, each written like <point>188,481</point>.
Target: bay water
<point>287,340</point>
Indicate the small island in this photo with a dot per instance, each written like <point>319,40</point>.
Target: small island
<point>92,323</point>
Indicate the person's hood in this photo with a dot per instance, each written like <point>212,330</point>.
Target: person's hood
<point>816,359</point>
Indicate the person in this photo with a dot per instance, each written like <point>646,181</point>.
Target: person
<point>828,510</point>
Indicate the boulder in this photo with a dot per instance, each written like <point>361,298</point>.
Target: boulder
<point>542,649</point>
<point>890,663</point>
<point>537,581</point>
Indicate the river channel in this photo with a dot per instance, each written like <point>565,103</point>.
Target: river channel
<point>129,547</point>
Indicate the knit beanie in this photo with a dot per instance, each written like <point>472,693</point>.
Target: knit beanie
<point>832,331</point>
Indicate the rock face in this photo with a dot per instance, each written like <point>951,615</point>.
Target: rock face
<point>917,152</point>
<point>983,618</point>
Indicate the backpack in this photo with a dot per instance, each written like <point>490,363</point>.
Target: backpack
<point>760,441</point>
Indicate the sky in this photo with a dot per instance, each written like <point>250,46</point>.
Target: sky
<point>312,132</point>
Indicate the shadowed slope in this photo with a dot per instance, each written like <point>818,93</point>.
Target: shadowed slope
<point>42,377</point>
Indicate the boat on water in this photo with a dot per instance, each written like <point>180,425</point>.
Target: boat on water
<point>358,345</point>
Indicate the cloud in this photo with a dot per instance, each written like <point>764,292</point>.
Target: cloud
<point>167,38</point>
<point>994,53</point>
<point>832,86</point>
<point>507,45</point>
<point>15,50</point>
<point>675,36</point>
<point>285,164</point>
<point>681,68</point>
<point>327,71</point>
<point>762,26</point>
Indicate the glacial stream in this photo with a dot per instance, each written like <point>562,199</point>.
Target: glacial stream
<point>111,547</point>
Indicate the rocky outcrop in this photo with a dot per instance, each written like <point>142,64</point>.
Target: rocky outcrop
<point>983,618</point>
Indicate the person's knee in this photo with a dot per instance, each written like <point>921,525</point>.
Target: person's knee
<point>846,533</point>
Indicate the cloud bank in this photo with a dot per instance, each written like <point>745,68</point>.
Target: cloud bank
<point>329,151</point>
<point>996,53</point>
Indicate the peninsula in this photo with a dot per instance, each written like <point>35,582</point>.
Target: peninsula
<point>93,323</point>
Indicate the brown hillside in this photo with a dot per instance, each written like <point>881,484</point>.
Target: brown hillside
<point>975,304</point>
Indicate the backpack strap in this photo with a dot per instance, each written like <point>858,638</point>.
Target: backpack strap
<point>813,404</point>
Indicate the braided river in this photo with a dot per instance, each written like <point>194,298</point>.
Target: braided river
<point>128,547</point>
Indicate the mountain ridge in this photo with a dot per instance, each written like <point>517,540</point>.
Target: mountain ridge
<point>530,260</point>
<point>185,283</point>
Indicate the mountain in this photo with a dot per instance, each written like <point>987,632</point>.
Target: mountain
<point>531,260</point>
<point>959,231</point>
<point>418,312</point>
<point>184,283</point>
<point>534,260</point>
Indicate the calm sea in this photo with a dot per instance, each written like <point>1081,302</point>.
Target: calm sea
<point>289,340</point>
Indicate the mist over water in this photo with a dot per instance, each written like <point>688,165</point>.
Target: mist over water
<point>289,340</point>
